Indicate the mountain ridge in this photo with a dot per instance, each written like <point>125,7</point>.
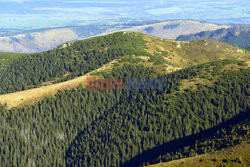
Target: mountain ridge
<point>165,56</point>
<point>201,89</point>
<point>43,40</point>
<point>238,35</point>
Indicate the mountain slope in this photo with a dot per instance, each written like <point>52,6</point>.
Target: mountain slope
<point>237,35</point>
<point>73,60</point>
<point>7,59</point>
<point>32,96</point>
<point>110,127</point>
<point>80,58</point>
<point>211,141</point>
<point>159,117</point>
<point>37,41</point>
<point>171,93</point>
<point>184,54</point>
<point>45,39</point>
<point>235,156</point>
<point>173,29</point>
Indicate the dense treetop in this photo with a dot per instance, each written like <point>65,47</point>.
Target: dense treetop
<point>113,127</point>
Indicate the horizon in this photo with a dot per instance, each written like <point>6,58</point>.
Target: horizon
<point>33,14</point>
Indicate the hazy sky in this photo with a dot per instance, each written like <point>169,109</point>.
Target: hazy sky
<point>43,13</point>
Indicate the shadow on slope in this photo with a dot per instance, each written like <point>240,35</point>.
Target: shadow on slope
<point>173,146</point>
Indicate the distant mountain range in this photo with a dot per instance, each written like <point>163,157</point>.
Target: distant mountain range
<point>45,39</point>
<point>237,35</point>
<point>173,29</point>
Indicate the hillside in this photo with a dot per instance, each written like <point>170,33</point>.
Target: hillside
<point>210,147</point>
<point>80,58</point>
<point>235,156</point>
<point>164,56</point>
<point>48,89</point>
<point>177,99</point>
<point>173,102</point>
<point>237,35</point>
<point>45,39</point>
<point>36,41</point>
<point>7,59</point>
<point>184,54</point>
<point>173,29</point>
<point>116,125</point>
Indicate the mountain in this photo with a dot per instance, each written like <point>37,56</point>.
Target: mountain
<point>36,41</point>
<point>143,121</point>
<point>173,29</point>
<point>77,58</point>
<point>45,39</point>
<point>152,100</point>
<point>237,35</point>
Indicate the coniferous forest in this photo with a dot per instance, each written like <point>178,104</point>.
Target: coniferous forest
<point>80,58</point>
<point>110,127</point>
<point>198,109</point>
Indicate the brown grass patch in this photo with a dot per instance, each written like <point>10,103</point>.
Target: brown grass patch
<point>184,54</point>
<point>31,96</point>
